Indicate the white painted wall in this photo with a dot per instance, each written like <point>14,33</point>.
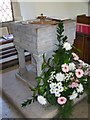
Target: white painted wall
<point>62,10</point>
<point>28,10</point>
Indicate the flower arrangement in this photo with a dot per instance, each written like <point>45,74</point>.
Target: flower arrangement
<point>64,78</point>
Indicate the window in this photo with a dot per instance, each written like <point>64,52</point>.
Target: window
<point>5,11</point>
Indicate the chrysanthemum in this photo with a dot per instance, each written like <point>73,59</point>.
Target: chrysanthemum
<point>71,66</point>
<point>41,100</point>
<point>60,77</point>
<point>80,88</point>
<point>74,95</point>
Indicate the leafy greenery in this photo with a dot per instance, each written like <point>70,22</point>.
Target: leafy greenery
<point>64,77</point>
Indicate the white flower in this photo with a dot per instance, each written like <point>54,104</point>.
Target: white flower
<point>49,81</point>
<point>67,46</point>
<point>74,95</point>
<point>60,88</point>
<point>41,100</point>
<point>57,93</point>
<point>71,66</point>
<point>60,77</point>
<point>75,57</point>
<point>85,79</point>
<point>52,90</point>
<point>81,61</point>
<point>87,65</point>
<point>52,85</point>
<point>59,84</point>
<point>52,75</point>
<point>80,88</point>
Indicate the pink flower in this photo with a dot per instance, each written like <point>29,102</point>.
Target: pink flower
<point>75,56</point>
<point>65,68</point>
<point>73,85</point>
<point>77,80</point>
<point>87,72</point>
<point>72,78</point>
<point>79,73</point>
<point>61,100</point>
<point>81,65</point>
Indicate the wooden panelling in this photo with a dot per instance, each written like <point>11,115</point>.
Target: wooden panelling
<point>82,42</point>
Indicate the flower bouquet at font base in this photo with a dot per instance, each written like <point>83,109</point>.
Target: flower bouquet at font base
<point>64,78</point>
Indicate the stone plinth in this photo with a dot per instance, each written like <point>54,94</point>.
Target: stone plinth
<point>38,39</point>
<point>17,91</point>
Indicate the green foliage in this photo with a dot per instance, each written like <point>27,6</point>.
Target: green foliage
<point>60,37</point>
<point>27,102</point>
<point>60,55</point>
<point>53,65</point>
<point>65,111</point>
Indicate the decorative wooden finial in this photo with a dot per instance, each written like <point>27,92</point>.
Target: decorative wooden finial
<point>42,18</point>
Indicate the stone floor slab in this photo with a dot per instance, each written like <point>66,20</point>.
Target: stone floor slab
<point>17,90</point>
